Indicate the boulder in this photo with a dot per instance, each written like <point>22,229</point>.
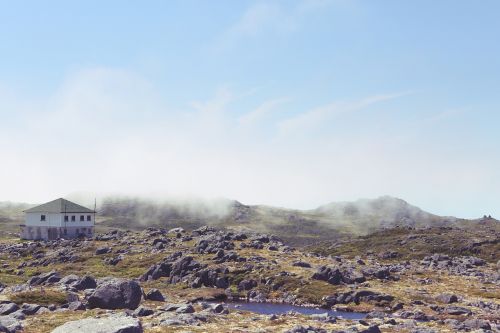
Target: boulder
<point>113,324</point>
<point>116,294</point>
<point>8,308</point>
<point>102,250</point>
<point>456,310</point>
<point>330,275</point>
<point>155,295</point>
<point>447,298</point>
<point>86,282</point>
<point>10,324</point>
<point>371,329</point>
<point>305,329</point>
<point>75,306</point>
<point>69,279</point>
<point>222,282</point>
<point>46,278</point>
<point>302,264</point>
<point>477,324</point>
<point>30,309</point>
<point>143,312</point>
<point>188,308</point>
<point>247,284</point>
<point>19,315</point>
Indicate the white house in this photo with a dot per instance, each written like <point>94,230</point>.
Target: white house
<point>58,219</point>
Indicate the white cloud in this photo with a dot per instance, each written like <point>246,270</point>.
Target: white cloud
<point>109,131</point>
<point>261,111</point>
<point>312,118</point>
<point>272,18</point>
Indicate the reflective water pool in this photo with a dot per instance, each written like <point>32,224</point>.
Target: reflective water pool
<point>278,308</point>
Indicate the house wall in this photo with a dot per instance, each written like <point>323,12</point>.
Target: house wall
<point>50,233</point>
<point>57,220</point>
<point>54,226</point>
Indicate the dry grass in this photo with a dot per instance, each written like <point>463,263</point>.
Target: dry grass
<point>42,297</point>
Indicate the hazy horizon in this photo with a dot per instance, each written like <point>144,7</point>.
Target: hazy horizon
<point>287,103</point>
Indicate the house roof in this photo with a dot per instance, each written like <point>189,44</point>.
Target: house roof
<point>59,206</point>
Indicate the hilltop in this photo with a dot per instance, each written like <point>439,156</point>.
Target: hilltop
<point>332,221</point>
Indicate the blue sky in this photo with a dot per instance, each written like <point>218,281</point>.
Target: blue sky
<point>290,103</point>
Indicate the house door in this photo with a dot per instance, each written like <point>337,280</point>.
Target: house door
<point>52,233</point>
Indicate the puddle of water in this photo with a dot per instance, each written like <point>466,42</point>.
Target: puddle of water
<point>277,308</point>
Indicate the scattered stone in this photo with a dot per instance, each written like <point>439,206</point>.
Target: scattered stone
<point>9,324</point>
<point>102,250</point>
<point>447,298</point>
<point>141,311</point>
<point>477,324</point>
<point>185,309</point>
<point>155,295</point>
<point>8,308</point>
<point>302,264</point>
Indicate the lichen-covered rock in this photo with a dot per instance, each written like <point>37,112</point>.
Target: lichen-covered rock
<point>113,324</point>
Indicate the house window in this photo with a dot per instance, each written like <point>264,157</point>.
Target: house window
<point>73,218</point>
<point>42,218</point>
<point>66,218</point>
<point>82,218</point>
<point>89,218</point>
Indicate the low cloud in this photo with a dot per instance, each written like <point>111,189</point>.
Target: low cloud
<point>110,131</point>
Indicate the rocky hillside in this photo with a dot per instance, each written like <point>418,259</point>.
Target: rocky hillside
<point>478,238</point>
<point>299,227</point>
<point>162,280</point>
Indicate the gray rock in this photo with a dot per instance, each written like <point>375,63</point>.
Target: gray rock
<point>185,309</point>
<point>247,284</point>
<point>324,317</point>
<point>113,324</point>
<point>42,310</point>
<point>477,324</point>
<point>305,329</point>
<point>155,295</point>
<point>30,309</point>
<point>143,311</point>
<point>46,278</point>
<point>8,308</point>
<point>116,294</point>
<point>330,275</point>
<point>75,306</point>
<point>72,297</point>
<point>371,329</point>
<point>457,310</point>
<point>69,279</point>
<point>10,324</point>
<point>102,250</point>
<point>86,282</point>
<point>222,282</point>
<point>302,264</point>
<point>19,315</point>
<point>447,298</point>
